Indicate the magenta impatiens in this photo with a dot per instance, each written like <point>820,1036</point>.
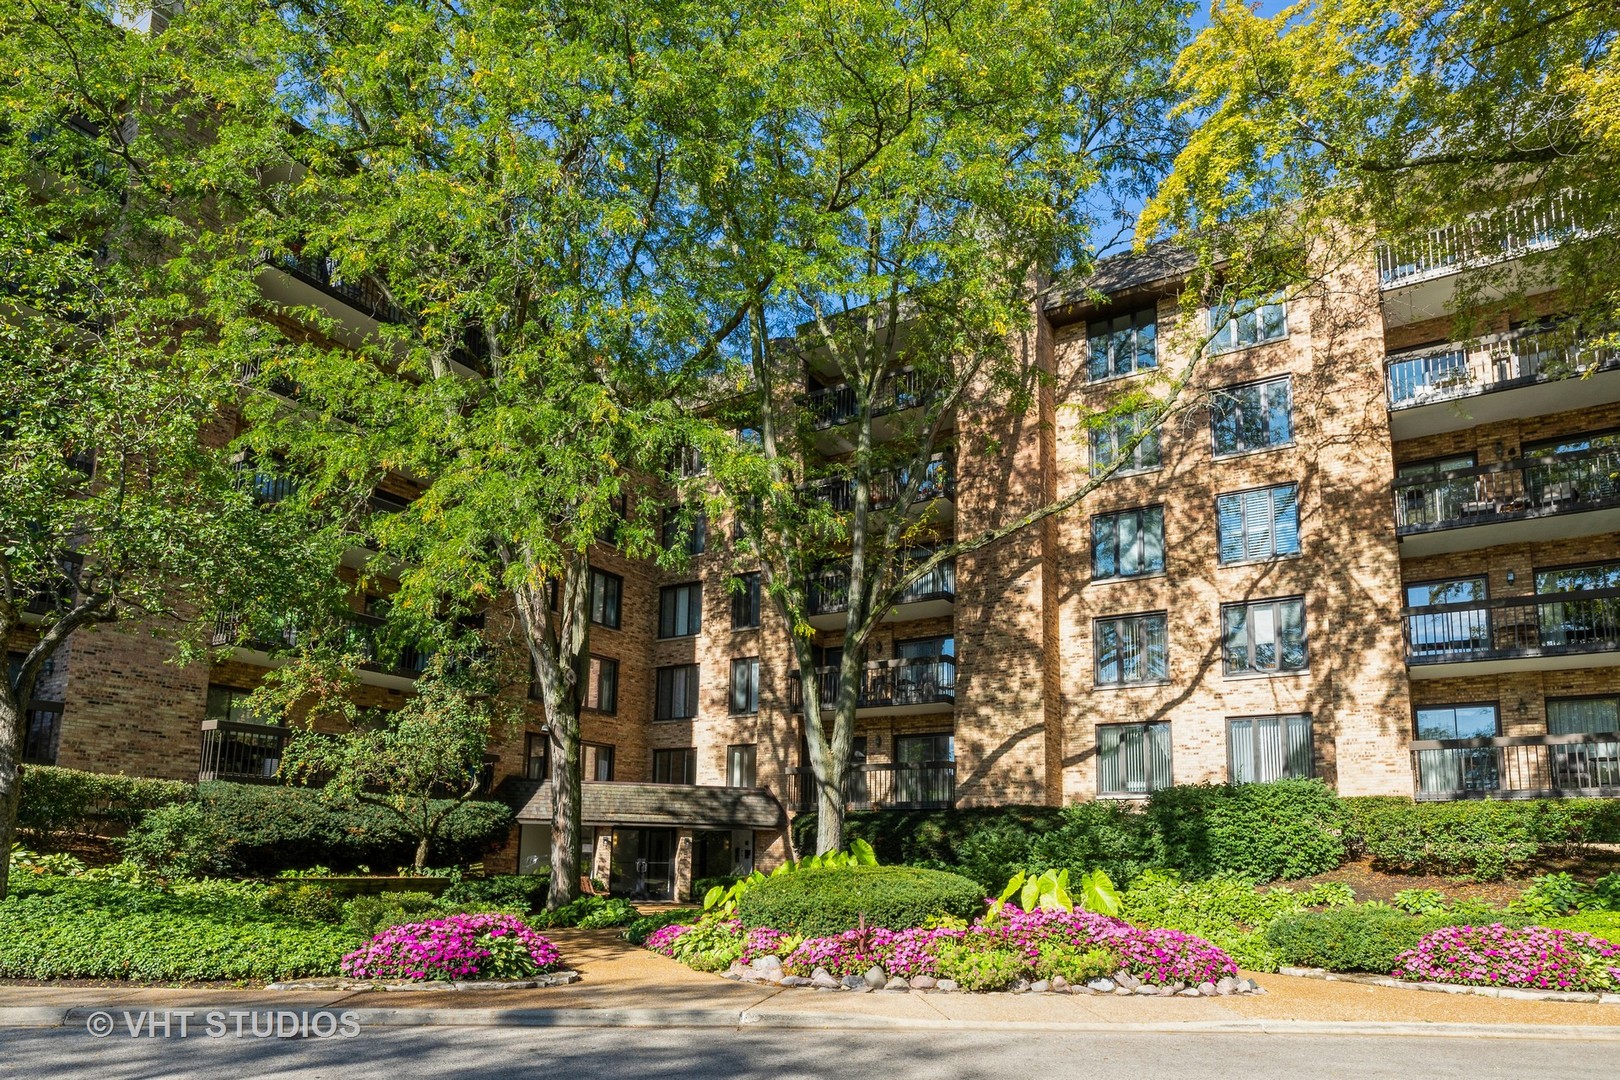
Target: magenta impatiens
<point>492,946</point>
<point>1528,958</point>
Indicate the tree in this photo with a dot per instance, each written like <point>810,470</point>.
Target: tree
<point>115,504</point>
<point>909,180</point>
<point>1496,121</point>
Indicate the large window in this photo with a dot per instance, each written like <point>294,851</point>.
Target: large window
<point>536,752</point>
<point>1449,770</point>
<point>677,692</point>
<point>1438,632</point>
<point>1132,649</point>
<point>1583,716</point>
<point>690,534</point>
<point>596,761</point>
<point>680,610</point>
<point>745,685</point>
<point>1133,759</point>
<point>1585,764</point>
<point>1110,443</point>
<point>602,689</point>
<point>1128,544</point>
<point>1122,345</point>
<point>1264,637</point>
<point>675,766</point>
<point>229,703</point>
<point>1264,748</point>
<point>1253,416</point>
<point>1249,322</point>
<point>745,602</point>
<point>741,770</point>
<point>607,591</point>
<point>1456,722</point>
<point>1259,524</point>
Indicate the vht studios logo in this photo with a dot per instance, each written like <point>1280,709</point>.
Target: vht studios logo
<point>225,1024</point>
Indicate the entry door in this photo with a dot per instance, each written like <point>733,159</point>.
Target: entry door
<point>644,864</point>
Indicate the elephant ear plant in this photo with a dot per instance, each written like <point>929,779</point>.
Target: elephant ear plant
<point>721,901</point>
<point>1049,891</point>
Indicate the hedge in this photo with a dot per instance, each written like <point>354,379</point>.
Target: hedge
<point>1483,838</point>
<point>1358,938</point>
<point>57,801</point>
<point>820,903</point>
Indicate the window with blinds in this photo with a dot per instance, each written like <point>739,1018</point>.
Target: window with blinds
<point>675,766</point>
<point>1132,649</point>
<point>602,687</point>
<point>1111,442</point>
<point>680,610</point>
<point>745,686</point>
<point>676,696</point>
<point>1253,416</point>
<point>1265,637</point>
<point>741,765</point>
<point>1264,748</point>
<point>1128,544</point>
<point>1258,524</point>
<point>1583,716</point>
<point>745,602</point>
<point>607,591</point>
<point>1133,759</point>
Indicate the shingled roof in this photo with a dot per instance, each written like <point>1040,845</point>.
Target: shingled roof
<point>686,806</point>
<point>1161,262</point>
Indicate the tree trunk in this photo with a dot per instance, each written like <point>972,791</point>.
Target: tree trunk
<point>422,852</point>
<point>830,813</point>
<point>565,814</point>
<point>11,731</point>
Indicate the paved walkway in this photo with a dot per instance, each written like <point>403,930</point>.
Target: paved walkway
<point>624,985</point>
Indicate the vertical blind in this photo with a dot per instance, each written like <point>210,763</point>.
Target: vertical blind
<point>1258,524</point>
<point>1133,759</point>
<point>1264,748</point>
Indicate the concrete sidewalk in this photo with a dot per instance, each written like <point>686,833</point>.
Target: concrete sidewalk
<point>626,986</point>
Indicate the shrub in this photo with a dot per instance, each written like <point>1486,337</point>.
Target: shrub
<point>490,946</point>
<point>589,913</point>
<point>1485,839</point>
<point>181,840</point>
<point>1361,938</point>
<point>643,927</point>
<point>1277,831</point>
<point>937,838</point>
<point>833,900</point>
<point>702,885</point>
<point>1226,911</point>
<point>1530,958</point>
<point>303,902</point>
<point>57,801</point>
<point>975,967</point>
<point>1604,924</point>
<point>366,916</point>
<point>60,928</point>
<point>1075,964</point>
<point>711,945</point>
<point>526,892</point>
<point>1420,901</point>
<point>1101,835</point>
<point>1551,895</point>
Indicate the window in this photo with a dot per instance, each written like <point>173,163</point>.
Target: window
<point>1109,444</point>
<point>1122,345</point>
<point>675,766</point>
<point>1260,749</point>
<point>689,462</point>
<point>1574,579</point>
<point>1450,769</point>
<point>606,592</point>
<point>1438,632</point>
<point>1128,544</point>
<point>691,535</point>
<point>680,610</point>
<point>745,685</point>
<point>1132,649</point>
<point>1457,722</point>
<point>1585,764</point>
<point>1428,494</point>
<point>926,772</point>
<point>1258,524</point>
<point>740,766</point>
<point>1264,637</point>
<point>677,692</point>
<point>1245,323</point>
<point>1578,618</point>
<point>1133,759</point>
<point>1583,716</point>
<point>745,603</point>
<point>620,506</point>
<point>602,687</point>
<point>1253,416</point>
<point>229,703</point>
<point>535,755</point>
<point>596,761</point>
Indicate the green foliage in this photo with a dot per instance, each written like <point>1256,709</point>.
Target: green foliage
<point>722,900</point>
<point>1279,830</point>
<point>73,928</point>
<point>1606,893</point>
<point>1551,895</point>
<point>822,901</point>
<point>314,902</point>
<point>587,913</point>
<point>981,969</point>
<point>1419,901</point>
<point>366,916</point>
<point>523,892</point>
<point>1074,964</point>
<point>277,827</point>
<point>181,840</point>
<point>58,802</point>
<point>703,886</point>
<point>1359,938</point>
<point>1050,891</point>
<point>1603,924</point>
<point>711,945</point>
<point>57,864</point>
<point>1482,838</point>
<point>637,932</point>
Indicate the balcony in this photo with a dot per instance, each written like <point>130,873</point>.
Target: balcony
<point>1546,497</point>
<point>246,753</point>
<point>834,406</point>
<point>931,597</point>
<point>1549,632</point>
<point>1517,767</point>
<point>902,686</point>
<point>884,786</point>
<point>937,487</point>
<point>361,634</point>
<point>1504,376</point>
<point>1524,227</point>
<point>320,274</point>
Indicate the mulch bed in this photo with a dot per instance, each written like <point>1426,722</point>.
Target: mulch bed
<point>1373,884</point>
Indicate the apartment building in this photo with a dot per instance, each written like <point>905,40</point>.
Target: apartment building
<point>1371,550</point>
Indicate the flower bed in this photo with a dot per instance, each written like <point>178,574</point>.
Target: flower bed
<point>493,946</point>
<point>1531,958</point>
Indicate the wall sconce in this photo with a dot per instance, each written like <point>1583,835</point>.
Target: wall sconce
<point>1499,448</point>
<point>877,742</point>
<point>1511,577</point>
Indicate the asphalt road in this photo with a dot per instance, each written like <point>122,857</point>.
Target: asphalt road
<point>719,1054</point>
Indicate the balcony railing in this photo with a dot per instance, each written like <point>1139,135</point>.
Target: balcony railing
<point>361,634</point>
<point>1497,362</point>
<point>1550,624</point>
<point>899,390</point>
<point>938,482</point>
<point>885,786</point>
<point>240,751</point>
<point>1524,767</point>
<point>1531,487</point>
<point>889,683</point>
<point>322,273</point>
<point>1519,229</point>
<point>829,593</point>
<point>43,733</point>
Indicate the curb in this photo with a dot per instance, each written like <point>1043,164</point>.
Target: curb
<point>1513,993</point>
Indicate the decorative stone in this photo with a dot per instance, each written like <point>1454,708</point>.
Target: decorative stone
<point>766,963</point>
<point>823,981</point>
<point>794,980</point>
<point>1020,986</point>
<point>1120,991</point>
<point>820,973</point>
<point>861,989</point>
<point>1227,985</point>
<point>1126,980</point>
<point>1101,986</point>
<point>947,985</point>
<point>1147,991</point>
<point>923,982</point>
<point>875,978</point>
<point>897,983</point>
<point>1039,986</point>
<point>1059,983</point>
<point>1207,989</point>
<point>852,981</point>
<point>1189,992</point>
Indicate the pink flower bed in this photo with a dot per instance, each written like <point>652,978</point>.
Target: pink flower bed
<point>662,940</point>
<point>1532,958</point>
<point>456,947</point>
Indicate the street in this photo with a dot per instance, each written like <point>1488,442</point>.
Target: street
<point>703,1054</point>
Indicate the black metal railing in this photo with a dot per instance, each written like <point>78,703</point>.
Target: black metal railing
<point>898,391</point>
<point>1518,229</point>
<point>1531,487</point>
<point>42,733</point>
<point>362,634</point>
<point>241,751</point>
<point>888,683</point>
<point>829,592</point>
<point>885,786</point>
<point>322,273</point>
<point>1496,362</point>
<point>1549,624</point>
<point>938,482</point>
<point>1524,766</point>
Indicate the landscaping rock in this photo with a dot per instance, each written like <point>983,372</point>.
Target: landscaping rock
<point>1120,991</point>
<point>861,989</point>
<point>1189,992</point>
<point>853,981</point>
<point>1207,989</point>
<point>766,963</point>
<point>1020,986</point>
<point>1039,986</point>
<point>923,982</point>
<point>897,983</point>
<point>947,985</point>
<point>822,980</point>
<point>875,978</point>
<point>1147,991</point>
<point>1101,986</point>
<point>1126,980</point>
<point>794,980</point>
<point>1059,983</point>
<point>1227,985</point>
